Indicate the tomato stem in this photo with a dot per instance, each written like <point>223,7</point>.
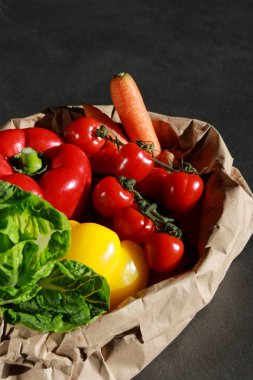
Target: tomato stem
<point>169,167</point>
<point>106,134</point>
<point>162,223</point>
<point>147,146</point>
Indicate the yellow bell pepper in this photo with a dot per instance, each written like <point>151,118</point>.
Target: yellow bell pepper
<point>121,263</point>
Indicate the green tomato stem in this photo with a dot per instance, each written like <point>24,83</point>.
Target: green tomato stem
<point>162,223</point>
<point>106,134</point>
<point>185,167</point>
<point>166,166</point>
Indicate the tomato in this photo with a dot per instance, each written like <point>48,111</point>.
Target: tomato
<point>151,186</point>
<point>133,162</point>
<point>163,252</point>
<point>104,161</point>
<point>182,191</point>
<point>82,132</point>
<point>109,196</point>
<point>190,223</point>
<point>130,224</point>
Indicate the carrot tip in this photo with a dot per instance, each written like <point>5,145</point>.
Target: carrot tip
<point>120,75</point>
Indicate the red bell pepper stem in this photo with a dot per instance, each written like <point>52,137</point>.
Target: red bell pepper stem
<point>30,160</point>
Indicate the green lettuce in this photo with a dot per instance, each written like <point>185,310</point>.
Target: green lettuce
<point>72,295</point>
<point>36,289</point>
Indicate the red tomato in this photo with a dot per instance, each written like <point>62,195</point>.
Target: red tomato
<point>133,162</point>
<point>104,161</point>
<point>182,191</point>
<point>151,186</point>
<point>163,252</point>
<point>130,224</point>
<point>109,197</point>
<point>82,132</point>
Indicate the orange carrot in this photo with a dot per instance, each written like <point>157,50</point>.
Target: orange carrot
<point>133,114</point>
<point>102,118</point>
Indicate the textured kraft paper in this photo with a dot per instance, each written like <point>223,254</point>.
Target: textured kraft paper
<point>119,344</point>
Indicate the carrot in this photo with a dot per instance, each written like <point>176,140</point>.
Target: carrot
<point>133,114</point>
<point>102,118</point>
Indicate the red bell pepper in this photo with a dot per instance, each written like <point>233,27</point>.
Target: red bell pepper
<point>37,160</point>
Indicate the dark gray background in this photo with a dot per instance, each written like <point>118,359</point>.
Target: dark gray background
<point>190,59</point>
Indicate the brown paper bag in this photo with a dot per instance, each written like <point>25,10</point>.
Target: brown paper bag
<point>121,343</point>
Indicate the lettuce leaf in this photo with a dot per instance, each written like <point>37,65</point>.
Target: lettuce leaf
<point>36,289</point>
<point>32,233</point>
<point>72,295</point>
